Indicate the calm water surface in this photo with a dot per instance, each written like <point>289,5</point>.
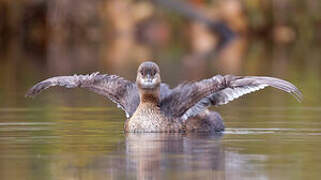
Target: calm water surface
<point>89,143</point>
<point>72,134</point>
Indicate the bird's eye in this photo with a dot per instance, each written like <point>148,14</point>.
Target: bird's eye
<point>142,73</point>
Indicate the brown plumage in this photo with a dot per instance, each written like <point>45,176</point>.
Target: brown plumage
<point>151,106</point>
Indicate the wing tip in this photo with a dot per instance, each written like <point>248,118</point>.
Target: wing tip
<point>36,89</point>
<point>286,86</point>
<point>29,95</point>
<point>297,95</point>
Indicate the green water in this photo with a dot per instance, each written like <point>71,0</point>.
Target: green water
<point>72,134</point>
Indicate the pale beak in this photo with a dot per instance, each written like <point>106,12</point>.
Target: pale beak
<point>148,81</point>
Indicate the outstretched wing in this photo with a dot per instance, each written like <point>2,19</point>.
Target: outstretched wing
<point>186,95</point>
<point>164,91</point>
<point>238,86</point>
<point>119,90</point>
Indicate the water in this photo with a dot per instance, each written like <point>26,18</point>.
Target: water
<point>86,143</point>
<point>73,134</point>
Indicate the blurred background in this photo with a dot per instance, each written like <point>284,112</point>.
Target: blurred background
<point>189,39</point>
<point>73,134</point>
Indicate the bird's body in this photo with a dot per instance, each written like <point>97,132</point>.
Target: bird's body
<point>151,106</point>
<point>149,118</point>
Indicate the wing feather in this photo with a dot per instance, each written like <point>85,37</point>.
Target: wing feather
<point>237,86</point>
<point>186,95</point>
<point>119,90</point>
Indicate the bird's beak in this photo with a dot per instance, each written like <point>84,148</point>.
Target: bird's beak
<point>148,81</point>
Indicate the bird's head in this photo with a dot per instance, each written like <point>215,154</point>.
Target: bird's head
<point>148,76</point>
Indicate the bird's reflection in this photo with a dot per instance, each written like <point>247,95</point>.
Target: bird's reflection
<point>156,156</point>
<point>149,156</point>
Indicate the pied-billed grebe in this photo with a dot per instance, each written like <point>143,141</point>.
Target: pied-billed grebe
<point>151,106</point>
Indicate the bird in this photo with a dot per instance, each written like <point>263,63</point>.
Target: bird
<point>151,106</point>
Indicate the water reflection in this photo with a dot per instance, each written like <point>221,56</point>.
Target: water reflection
<point>155,156</point>
<point>88,143</point>
<point>142,156</point>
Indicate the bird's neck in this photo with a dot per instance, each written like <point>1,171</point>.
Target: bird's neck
<point>149,96</point>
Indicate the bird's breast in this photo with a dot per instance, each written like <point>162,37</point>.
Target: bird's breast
<point>149,118</point>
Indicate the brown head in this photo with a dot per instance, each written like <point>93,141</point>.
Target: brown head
<point>148,81</point>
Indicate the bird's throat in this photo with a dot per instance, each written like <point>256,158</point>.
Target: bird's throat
<point>150,96</point>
